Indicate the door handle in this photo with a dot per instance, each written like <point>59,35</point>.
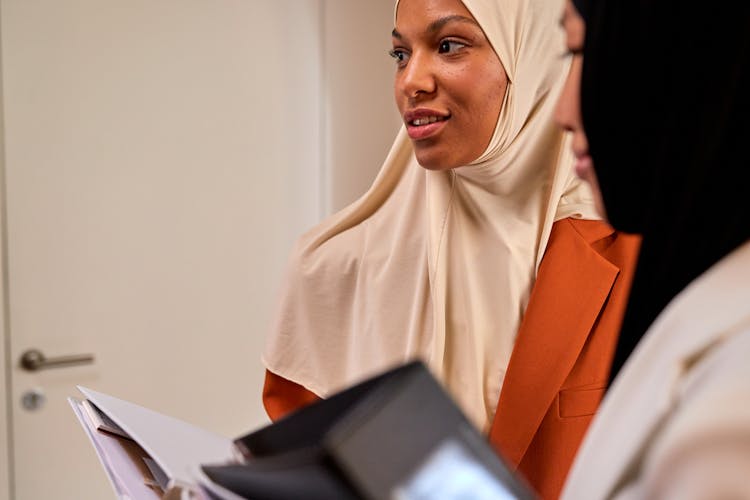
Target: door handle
<point>34,359</point>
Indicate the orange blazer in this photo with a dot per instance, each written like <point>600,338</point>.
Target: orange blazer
<point>560,363</point>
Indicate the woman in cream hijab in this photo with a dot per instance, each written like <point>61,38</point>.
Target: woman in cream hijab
<point>476,249</point>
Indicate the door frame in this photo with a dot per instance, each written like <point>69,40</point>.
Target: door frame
<point>6,431</point>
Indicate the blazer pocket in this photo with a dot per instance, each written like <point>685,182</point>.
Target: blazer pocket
<point>580,402</point>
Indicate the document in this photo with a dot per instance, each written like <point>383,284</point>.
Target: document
<point>395,436</point>
<point>146,454</point>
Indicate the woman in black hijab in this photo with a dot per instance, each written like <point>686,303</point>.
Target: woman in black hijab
<point>665,105</point>
<point>673,81</point>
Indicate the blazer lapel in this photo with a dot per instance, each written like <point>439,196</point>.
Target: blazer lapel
<point>573,284</point>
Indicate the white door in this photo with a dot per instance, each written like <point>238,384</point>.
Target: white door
<point>160,158</point>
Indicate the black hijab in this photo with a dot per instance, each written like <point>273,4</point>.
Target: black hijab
<point>666,108</point>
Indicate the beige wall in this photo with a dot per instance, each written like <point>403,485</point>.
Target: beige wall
<point>160,158</point>
<point>358,122</point>
<point>4,383</point>
<point>5,462</point>
<point>361,118</point>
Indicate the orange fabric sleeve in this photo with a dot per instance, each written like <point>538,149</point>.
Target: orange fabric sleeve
<point>281,396</point>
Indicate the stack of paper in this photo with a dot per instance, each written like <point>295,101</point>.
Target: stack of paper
<point>145,454</point>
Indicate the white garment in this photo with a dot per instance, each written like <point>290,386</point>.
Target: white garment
<point>676,422</point>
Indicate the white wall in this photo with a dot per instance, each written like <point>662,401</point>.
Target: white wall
<point>5,429</point>
<point>357,127</point>
<point>4,362</point>
<point>361,117</point>
<point>160,158</point>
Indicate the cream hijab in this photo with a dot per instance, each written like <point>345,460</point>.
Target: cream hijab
<point>439,265</point>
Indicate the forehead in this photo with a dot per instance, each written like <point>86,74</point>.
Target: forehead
<point>421,14</point>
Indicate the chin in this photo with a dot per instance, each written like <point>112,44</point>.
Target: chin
<point>433,161</point>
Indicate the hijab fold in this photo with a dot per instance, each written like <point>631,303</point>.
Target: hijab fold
<point>439,265</point>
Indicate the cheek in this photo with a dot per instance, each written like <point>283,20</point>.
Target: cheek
<point>479,94</point>
<point>485,84</point>
<point>497,85</point>
<point>396,97</point>
<point>488,99</point>
<point>494,103</point>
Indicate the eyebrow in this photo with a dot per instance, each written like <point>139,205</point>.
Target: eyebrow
<point>437,25</point>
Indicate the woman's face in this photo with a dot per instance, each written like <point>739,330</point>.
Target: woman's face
<point>568,114</point>
<point>449,84</point>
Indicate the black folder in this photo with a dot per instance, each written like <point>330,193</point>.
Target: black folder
<point>395,436</point>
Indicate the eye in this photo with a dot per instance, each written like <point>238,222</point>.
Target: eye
<point>448,46</point>
<point>571,53</point>
<point>400,55</point>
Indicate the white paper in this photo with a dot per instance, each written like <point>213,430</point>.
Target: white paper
<point>101,421</point>
<point>124,475</point>
<point>176,446</point>
<point>161,479</point>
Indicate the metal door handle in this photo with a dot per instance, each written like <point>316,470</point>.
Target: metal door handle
<point>34,359</point>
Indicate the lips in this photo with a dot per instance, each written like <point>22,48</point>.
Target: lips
<point>424,123</point>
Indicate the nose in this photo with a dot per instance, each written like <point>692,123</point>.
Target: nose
<point>417,78</point>
<point>568,111</point>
